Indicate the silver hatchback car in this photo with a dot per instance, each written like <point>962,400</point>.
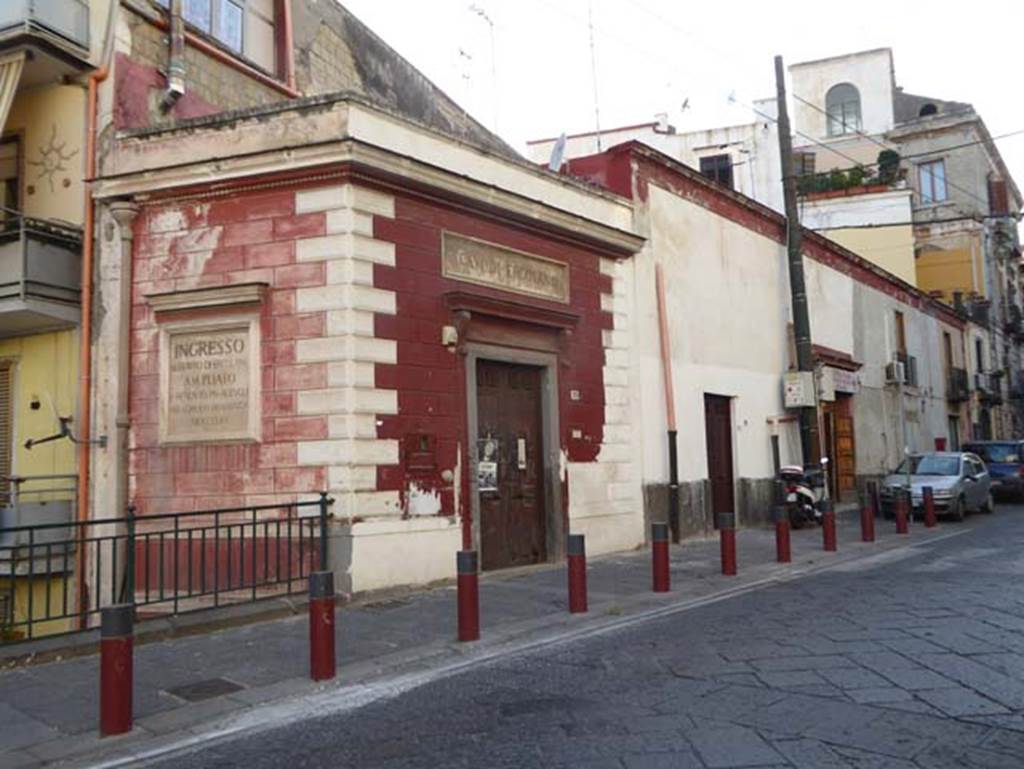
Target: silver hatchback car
<point>959,480</point>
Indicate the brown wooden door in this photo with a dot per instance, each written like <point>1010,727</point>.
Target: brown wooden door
<point>513,517</point>
<point>846,465</point>
<point>718,429</point>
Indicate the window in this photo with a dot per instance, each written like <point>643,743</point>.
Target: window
<point>10,187</point>
<point>803,163</point>
<point>842,104</point>
<point>244,26</point>
<point>717,168</point>
<point>979,354</point>
<point>932,179</point>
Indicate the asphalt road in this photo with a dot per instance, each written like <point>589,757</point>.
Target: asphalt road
<point>912,659</point>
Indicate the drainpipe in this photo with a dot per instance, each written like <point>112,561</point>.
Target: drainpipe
<point>670,406</point>
<point>85,362</point>
<point>288,61</point>
<point>175,58</point>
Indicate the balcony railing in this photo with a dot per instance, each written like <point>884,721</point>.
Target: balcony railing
<point>989,387</point>
<point>68,19</point>
<point>40,275</point>
<point>958,389</point>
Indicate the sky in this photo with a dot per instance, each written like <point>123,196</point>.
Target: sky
<point>538,77</point>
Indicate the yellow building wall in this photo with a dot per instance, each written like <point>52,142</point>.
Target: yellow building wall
<point>48,600</point>
<point>891,248</point>
<point>51,124</point>
<point>946,272</point>
<point>45,368</point>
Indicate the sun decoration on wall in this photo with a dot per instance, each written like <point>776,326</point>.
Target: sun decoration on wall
<point>52,158</point>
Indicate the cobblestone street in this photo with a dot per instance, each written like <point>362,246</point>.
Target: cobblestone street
<point>912,658</point>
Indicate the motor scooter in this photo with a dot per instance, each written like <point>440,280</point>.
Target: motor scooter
<point>804,493</point>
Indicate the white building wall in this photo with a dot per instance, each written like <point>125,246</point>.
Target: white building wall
<point>871,72</point>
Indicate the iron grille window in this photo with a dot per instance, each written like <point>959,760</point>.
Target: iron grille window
<point>718,168</point>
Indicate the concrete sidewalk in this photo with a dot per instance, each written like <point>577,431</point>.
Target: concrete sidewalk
<point>189,689</point>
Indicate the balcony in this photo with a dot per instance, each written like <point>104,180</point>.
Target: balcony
<point>957,389</point>
<point>56,32</point>
<point>40,276</point>
<point>989,387</point>
<point>1014,323</point>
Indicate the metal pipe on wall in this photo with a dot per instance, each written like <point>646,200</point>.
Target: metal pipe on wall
<point>175,57</point>
<point>670,405</point>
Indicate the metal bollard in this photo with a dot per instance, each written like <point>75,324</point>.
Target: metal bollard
<point>661,577</point>
<point>322,659</point>
<point>783,550</point>
<point>116,669</point>
<point>929,507</point>
<point>576,554</point>
<point>727,534</point>
<point>867,514</point>
<point>902,512</point>
<point>468,595</point>
<point>828,527</point>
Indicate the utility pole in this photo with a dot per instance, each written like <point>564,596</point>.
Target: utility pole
<point>809,442</point>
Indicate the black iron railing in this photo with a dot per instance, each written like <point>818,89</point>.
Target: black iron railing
<point>169,563</point>
<point>958,388</point>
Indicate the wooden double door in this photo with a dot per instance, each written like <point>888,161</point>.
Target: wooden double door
<point>510,464</point>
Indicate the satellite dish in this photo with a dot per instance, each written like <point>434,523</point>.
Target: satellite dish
<point>558,154</point>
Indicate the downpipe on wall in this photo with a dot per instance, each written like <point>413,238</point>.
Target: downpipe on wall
<point>670,406</point>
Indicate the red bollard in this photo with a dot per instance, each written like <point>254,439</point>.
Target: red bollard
<point>116,669</point>
<point>929,507</point>
<point>867,515</point>
<point>469,595</point>
<point>727,533</point>
<point>902,512</point>
<point>828,527</point>
<point>783,550</point>
<point>659,558</point>
<point>577,557</point>
<point>322,659</point>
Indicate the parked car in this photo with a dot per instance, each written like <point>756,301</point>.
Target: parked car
<point>1005,462</point>
<point>960,483</point>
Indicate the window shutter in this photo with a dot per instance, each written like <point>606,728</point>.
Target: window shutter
<point>998,199</point>
<point>6,428</point>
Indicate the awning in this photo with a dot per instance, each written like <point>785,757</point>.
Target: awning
<point>10,74</point>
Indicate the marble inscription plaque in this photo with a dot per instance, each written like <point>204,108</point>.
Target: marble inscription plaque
<point>476,261</point>
<point>208,384</point>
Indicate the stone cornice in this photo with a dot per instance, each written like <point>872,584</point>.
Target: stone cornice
<point>291,147</point>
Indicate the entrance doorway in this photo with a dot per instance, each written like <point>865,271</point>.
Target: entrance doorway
<point>718,432</point>
<point>510,464</point>
<point>839,446</point>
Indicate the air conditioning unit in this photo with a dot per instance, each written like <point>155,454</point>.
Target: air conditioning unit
<point>895,373</point>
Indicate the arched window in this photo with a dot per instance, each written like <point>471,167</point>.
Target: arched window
<point>843,106</point>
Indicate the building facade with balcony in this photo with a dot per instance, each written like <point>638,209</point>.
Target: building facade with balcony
<point>48,48</point>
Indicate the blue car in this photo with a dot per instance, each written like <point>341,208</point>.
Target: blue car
<point>1005,461</point>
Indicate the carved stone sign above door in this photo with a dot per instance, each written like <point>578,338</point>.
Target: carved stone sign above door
<point>487,264</point>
